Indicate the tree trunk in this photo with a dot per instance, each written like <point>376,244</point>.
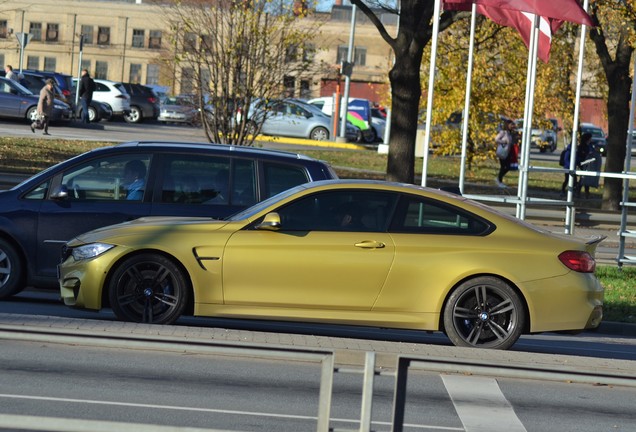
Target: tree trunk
<point>618,101</point>
<point>405,83</point>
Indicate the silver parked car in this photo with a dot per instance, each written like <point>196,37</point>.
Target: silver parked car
<point>293,118</point>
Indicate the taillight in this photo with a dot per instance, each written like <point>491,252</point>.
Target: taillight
<point>152,100</point>
<point>578,261</point>
<point>66,92</point>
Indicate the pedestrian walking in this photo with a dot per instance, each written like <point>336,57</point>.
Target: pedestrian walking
<point>45,107</point>
<point>564,160</point>
<point>507,150</point>
<point>592,162</point>
<point>9,74</point>
<point>86,89</point>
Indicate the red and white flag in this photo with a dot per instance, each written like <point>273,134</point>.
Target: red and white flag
<point>519,14</point>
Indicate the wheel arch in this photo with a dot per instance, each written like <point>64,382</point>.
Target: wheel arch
<point>526,327</point>
<point>189,310</point>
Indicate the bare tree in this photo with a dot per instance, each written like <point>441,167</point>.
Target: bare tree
<point>237,51</point>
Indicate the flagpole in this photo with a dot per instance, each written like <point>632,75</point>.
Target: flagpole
<point>469,83</point>
<point>431,84</point>
<point>527,120</point>
<point>569,209</point>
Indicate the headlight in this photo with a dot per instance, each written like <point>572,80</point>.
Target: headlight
<point>90,251</point>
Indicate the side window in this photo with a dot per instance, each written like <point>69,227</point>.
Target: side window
<point>117,178</point>
<point>426,216</point>
<point>243,182</point>
<point>39,192</point>
<point>280,177</point>
<point>189,179</point>
<point>343,210</point>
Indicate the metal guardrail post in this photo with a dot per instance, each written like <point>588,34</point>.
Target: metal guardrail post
<point>326,390</point>
<point>399,398</point>
<point>367,392</point>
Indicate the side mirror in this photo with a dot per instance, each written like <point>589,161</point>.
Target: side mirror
<point>60,193</point>
<point>271,222</point>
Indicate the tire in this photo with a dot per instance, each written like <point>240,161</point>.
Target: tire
<point>134,116</point>
<point>484,312</point>
<point>11,270</point>
<point>319,134</point>
<point>31,114</point>
<point>370,137</point>
<point>92,115</point>
<point>148,288</point>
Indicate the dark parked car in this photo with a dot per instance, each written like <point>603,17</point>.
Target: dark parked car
<point>97,111</point>
<point>64,81</point>
<point>144,103</point>
<point>599,139</point>
<point>121,183</point>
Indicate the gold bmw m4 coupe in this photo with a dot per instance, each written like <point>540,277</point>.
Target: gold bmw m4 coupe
<point>345,252</point>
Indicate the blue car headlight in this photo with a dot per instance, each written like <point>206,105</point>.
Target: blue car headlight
<point>90,250</point>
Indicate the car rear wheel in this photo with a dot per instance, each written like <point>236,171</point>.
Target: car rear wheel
<point>134,116</point>
<point>148,288</point>
<point>32,114</point>
<point>92,115</point>
<point>319,134</point>
<point>11,277</point>
<point>484,312</point>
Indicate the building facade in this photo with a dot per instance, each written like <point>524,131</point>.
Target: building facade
<point>128,42</point>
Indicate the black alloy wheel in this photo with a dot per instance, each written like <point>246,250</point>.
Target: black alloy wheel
<point>484,312</point>
<point>148,288</point>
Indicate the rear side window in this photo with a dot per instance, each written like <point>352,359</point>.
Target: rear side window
<point>195,179</point>
<point>280,177</point>
<point>427,216</point>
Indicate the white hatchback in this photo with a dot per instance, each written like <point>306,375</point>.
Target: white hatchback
<point>111,93</point>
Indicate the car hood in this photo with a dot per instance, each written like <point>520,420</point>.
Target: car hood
<point>150,225</point>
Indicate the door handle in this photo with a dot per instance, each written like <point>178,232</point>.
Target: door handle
<point>370,244</point>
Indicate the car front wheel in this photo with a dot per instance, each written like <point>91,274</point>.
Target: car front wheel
<point>11,277</point>
<point>148,288</point>
<point>484,312</point>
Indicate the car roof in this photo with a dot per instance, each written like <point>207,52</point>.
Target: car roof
<point>240,150</point>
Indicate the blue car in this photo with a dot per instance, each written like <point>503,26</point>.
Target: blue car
<point>18,102</point>
<point>110,185</point>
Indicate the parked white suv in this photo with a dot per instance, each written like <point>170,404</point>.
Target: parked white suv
<point>111,93</point>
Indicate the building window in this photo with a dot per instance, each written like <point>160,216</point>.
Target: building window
<point>138,38</point>
<point>52,32</point>
<point>289,82</point>
<point>291,54</point>
<point>3,29</point>
<point>305,89</point>
<point>309,53</point>
<point>101,69</point>
<point>190,42</point>
<point>87,31</point>
<point>33,62</point>
<point>341,56</point>
<point>187,80</point>
<point>86,64</point>
<point>207,42</point>
<point>205,80</point>
<point>152,74</point>
<point>49,64</point>
<point>360,56</point>
<point>103,36</point>
<point>35,28</point>
<point>135,73</point>
<point>1,60</point>
<point>154,40</point>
